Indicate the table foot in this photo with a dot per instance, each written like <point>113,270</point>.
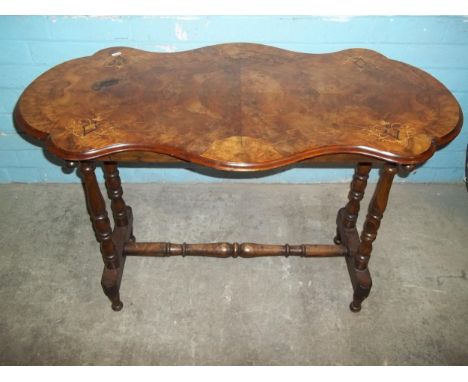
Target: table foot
<point>117,307</point>
<point>354,307</point>
<point>114,296</point>
<point>362,283</point>
<point>361,291</point>
<point>111,286</point>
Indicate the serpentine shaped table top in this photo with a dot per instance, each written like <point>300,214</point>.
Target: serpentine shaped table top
<point>239,107</point>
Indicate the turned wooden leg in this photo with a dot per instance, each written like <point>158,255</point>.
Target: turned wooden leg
<point>356,193</point>
<point>102,228</point>
<point>115,192</point>
<point>377,207</point>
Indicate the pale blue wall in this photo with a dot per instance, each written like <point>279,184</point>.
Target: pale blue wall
<point>31,45</point>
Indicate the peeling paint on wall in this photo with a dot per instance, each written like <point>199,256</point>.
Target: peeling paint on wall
<point>166,48</point>
<point>181,34</point>
<point>183,18</point>
<point>102,17</point>
<point>338,19</point>
<point>187,18</point>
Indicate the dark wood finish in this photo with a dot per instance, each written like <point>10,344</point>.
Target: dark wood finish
<point>111,242</point>
<point>362,283</point>
<point>148,157</point>
<point>98,214</point>
<point>233,250</point>
<point>360,248</point>
<point>356,193</point>
<point>115,192</point>
<point>111,278</point>
<point>377,207</point>
<point>239,107</point>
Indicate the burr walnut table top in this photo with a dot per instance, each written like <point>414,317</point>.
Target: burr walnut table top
<point>239,106</point>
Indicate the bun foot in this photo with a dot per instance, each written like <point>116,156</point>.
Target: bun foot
<point>354,308</point>
<point>116,307</point>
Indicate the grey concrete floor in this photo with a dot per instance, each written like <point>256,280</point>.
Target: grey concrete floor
<point>208,311</point>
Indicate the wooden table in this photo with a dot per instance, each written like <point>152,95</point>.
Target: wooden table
<point>238,107</point>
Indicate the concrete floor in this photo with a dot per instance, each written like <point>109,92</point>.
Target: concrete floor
<point>207,311</point>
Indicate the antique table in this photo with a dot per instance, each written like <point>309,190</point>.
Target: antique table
<point>238,107</point>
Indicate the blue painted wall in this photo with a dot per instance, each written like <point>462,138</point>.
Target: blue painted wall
<point>31,45</point>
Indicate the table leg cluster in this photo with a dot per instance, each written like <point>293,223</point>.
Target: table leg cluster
<point>360,248</point>
<point>118,243</point>
<point>111,241</point>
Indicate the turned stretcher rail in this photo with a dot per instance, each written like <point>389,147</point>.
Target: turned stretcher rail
<point>232,250</point>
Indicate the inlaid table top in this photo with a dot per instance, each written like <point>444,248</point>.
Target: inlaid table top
<point>239,106</point>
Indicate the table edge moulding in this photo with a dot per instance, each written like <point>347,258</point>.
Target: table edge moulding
<point>238,107</point>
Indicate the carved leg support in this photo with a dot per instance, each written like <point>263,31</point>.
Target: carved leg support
<point>111,255</point>
<point>377,205</point>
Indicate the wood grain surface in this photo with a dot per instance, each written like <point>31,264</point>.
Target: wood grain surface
<point>239,107</point>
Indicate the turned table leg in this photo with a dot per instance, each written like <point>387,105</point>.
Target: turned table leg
<point>376,209</point>
<point>97,211</point>
<point>356,193</point>
<point>115,192</point>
